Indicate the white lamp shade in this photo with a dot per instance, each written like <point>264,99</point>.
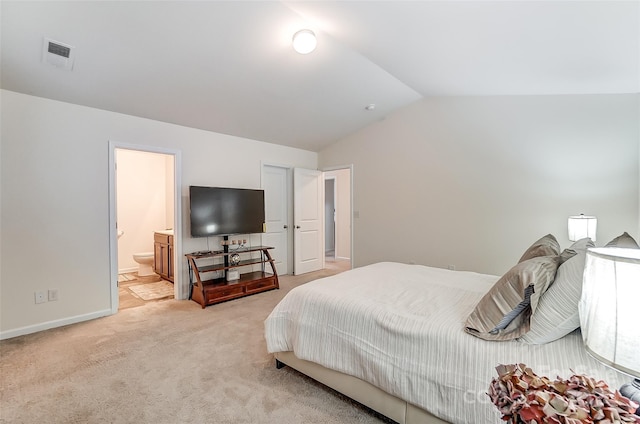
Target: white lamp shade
<point>609,312</point>
<point>304,41</point>
<point>581,226</point>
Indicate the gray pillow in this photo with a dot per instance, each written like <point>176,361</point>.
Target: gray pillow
<point>557,312</point>
<point>487,321</point>
<point>623,240</point>
<point>545,246</point>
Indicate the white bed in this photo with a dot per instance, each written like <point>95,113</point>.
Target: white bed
<point>399,328</point>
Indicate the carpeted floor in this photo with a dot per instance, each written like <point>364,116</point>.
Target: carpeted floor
<point>165,362</point>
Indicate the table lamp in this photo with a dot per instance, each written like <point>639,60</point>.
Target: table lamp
<point>610,311</point>
<point>581,226</point>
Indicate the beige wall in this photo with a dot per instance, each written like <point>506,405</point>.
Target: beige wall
<point>471,182</point>
<point>169,191</point>
<point>55,199</point>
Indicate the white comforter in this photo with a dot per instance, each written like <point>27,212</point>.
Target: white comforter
<point>400,327</point>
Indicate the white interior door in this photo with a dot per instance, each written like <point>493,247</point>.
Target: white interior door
<point>276,187</point>
<point>308,216</point>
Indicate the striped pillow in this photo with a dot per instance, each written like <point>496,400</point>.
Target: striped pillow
<point>487,321</point>
<point>557,313</point>
<point>623,240</point>
<point>545,246</point>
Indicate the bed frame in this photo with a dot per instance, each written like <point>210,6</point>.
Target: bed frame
<point>359,390</point>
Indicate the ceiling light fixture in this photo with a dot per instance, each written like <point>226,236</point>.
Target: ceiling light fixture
<point>304,41</point>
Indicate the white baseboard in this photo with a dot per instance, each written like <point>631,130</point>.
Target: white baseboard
<point>128,270</point>
<point>53,324</point>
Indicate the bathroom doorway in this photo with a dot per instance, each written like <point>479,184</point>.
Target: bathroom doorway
<point>145,206</point>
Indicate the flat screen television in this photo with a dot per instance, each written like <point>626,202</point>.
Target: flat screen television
<point>218,211</point>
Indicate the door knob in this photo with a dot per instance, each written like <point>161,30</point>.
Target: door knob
<point>286,226</point>
<point>297,227</point>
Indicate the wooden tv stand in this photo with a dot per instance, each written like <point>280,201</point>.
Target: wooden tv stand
<point>218,289</point>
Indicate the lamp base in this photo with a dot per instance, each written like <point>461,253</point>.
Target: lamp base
<point>632,391</point>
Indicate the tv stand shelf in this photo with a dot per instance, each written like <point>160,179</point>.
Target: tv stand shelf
<point>215,290</point>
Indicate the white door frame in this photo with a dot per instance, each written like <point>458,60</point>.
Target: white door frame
<point>350,168</point>
<point>180,292</point>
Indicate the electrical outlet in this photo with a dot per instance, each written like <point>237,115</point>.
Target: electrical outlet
<point>451,267</point>
<point>53,295</point>
<point>41,296</point>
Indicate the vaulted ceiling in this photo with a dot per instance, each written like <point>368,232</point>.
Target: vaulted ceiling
<point>228,66</point>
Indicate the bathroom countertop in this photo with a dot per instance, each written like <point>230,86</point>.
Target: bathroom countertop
<point>165,232</point>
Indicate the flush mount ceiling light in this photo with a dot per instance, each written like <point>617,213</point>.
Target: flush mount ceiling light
<point>304,41</point>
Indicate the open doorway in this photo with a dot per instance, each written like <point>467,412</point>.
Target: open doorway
<point>145,223</point>
<point>330,217</point>
<point>280,206</point>
<point>338,218</point>
<point>145,216</point>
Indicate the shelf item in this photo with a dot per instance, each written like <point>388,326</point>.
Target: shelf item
<point>163,255</point>
<point>208,291</point>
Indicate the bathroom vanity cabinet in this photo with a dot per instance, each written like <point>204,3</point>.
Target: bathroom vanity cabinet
<point>208,272</point>
<point>163,255</point>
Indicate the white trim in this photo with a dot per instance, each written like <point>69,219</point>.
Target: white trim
<point>113,236</point>
<point>274,164</point>
<point>180,292</point>
<point>350,168</point>
<point>53,324</point>
<point>127,270</point>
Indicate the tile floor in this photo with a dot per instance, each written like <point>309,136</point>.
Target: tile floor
<point>127,298</point>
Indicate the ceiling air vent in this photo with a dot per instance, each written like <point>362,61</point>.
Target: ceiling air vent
<point>57,54</point>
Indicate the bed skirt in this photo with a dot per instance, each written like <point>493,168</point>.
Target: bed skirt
<point>361,391</point>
